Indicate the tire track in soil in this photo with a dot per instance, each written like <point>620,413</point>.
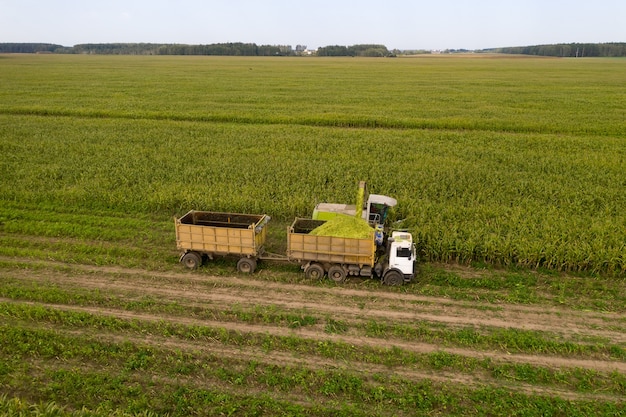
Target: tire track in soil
<point>293,359</point>
<point>320,334</point>
<point>197,289</point>
<point>353,304</point>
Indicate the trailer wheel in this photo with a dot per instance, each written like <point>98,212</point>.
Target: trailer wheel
<point>314,272</point>
<point>246,265</point>
<point>393,278</point>
<point>191,260</point>
<point>336,273</point>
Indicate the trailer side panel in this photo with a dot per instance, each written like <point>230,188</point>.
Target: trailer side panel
<point>302,246</point>
<point>221,233</point>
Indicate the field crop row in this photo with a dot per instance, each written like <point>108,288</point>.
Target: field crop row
<point>483,337</point>
<point>534,95</point>
<point>504,161</point>
<point>125,341</point>
<point>514,166</point>
<point>533,201</point>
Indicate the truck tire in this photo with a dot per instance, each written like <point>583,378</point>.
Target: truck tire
<point>191,260</point>
<point>246,265</point>
<point>337,273</point>
<point>314,272</point>
<point>393,278</point>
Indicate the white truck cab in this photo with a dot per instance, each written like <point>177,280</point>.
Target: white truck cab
<point>401,255</point>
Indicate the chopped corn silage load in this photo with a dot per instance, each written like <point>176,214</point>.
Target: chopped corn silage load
<point>344,226</point>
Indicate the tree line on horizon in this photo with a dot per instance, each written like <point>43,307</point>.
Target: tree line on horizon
<point>615,49</point>
<point>573,50</point>
<point>226,49</point>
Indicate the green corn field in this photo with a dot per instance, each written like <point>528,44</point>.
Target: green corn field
<point>504,161</point>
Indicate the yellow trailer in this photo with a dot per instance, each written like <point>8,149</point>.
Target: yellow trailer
<point>205,234</point>
<point>336,256</point>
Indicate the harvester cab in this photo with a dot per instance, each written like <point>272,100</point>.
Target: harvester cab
<point>371,207</point>
<point>377,209</point>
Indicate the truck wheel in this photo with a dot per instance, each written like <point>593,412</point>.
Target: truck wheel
<point>393,278</point>
<point>336,273</point>
<point>191,260</point>
<point>246,265</point>
<point>314,271</point>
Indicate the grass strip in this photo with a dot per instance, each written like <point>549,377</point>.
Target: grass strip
<point>335,350</point>
<point>507,340</point>
<point>130,377</point>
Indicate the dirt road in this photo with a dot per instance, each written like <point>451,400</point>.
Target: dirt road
<point>355,309</point>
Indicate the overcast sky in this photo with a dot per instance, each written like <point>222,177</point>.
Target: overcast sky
<point>401,24</point>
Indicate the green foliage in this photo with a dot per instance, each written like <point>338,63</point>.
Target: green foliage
<point>132,377</point>
<point>335,326</point>
<point>344,226</point>
<point>227,49</point>
<point>17,407</point>
<point>576,50</point>
<point>507,162</point>
<point>354,50</point>
<point>29,48</point>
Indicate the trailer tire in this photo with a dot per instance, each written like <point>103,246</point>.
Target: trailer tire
<point>337,273</point>
<point>314,272</point>
<point>393,278</point>
<point>246,265</point>
<point>191,260</point>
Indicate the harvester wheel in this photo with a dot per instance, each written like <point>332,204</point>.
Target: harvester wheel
<point>191,260</point>
<point>246,265</point>
<point>393,278</point>
<point>314,271</point>
<point>337,273</point>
